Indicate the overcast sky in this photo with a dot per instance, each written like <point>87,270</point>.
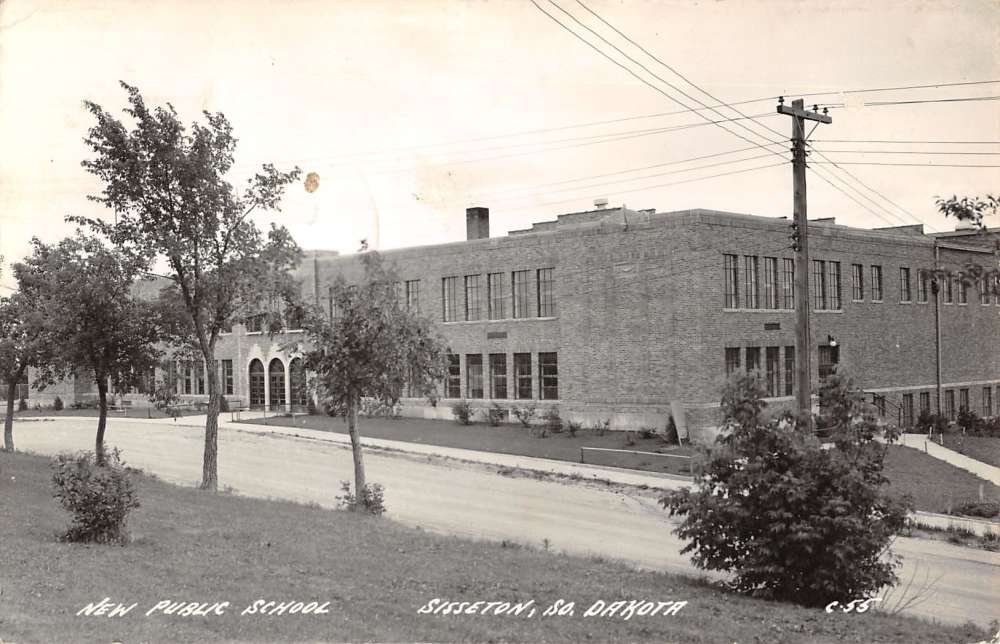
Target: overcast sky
<point>407,110</point>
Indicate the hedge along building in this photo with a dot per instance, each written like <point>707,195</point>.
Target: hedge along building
<point>634,316</point>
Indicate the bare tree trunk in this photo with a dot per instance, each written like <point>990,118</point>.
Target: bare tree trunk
<point>210,461</point>
<point>102,418</point>
<point>359,466</point>
<point>8,423</point>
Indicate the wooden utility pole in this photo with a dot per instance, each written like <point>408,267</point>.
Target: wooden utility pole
<point>800,239</point>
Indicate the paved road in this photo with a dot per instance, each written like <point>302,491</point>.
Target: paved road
<point>473,501</point>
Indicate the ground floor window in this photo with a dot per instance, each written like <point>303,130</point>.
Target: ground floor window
<point>257,383</point>
<point>227,377</point>
<point>474,375</point>
<point>949,404</point>
<point>987,401</point>
<point>963,400</point>
<point>297,382</point>
<point>522,375</point>
<point>907,410</point>
<point>453,384</point>
<point>789,370</point>
<point>276,383</point>
<point>925,402</point>
<point>732,360</point>
<point>772,370</point>
<point>498,375</point>
<point>548,375</point>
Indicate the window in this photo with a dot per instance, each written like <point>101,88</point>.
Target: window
<point>199,372</point>
<point>187,377</point>
<point>472,297</point>
<point>413,294</point>
<point>828,359</point>
<point>876,283</point>
<point>788,283</point>
<point>546,294</point>
<point>834,299</point>
<point>819,284</point>
<point>771,369</point>
<point>227,377</point>
<point>963,291</point>
<point>907,410</point>
<point>904,290</point>
<point>449,298</point>
<point>732,360</point>
<point>925,402</point>
<point>751,282</point>
<point>857,282</point>
<point>548,376</point>
<point>770,282</point>
<point>923,282</point>
<point>732,282</point>
<point>258,383</point>
<point>453,383</point>
<point>984,291</point>
<point>473,375</point>
<point>753,359</point>
<point>948,297</point>
<point>789,370</point>
<point>987,402</point>
<point>949,404</point>
<point>963,400</point>
<point>879,402</point>
<point>497,296</point>
<point>519,281</point>
<point>498,375</point>
<point>522,375</point>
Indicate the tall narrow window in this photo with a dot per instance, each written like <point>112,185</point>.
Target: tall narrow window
<point>925,402</point>
<point>949,404</point>
<point>453,384</point>
<point>498,376</point>
<point>473,375</point>
<point>199,371</point>
<point>949,297</point>
<point>963,399</point>
<point>923,282</point>
<point>753,359</point>
<point>187,377</point>
<point>472,311</point>
<point>548,376</point>
<point>751,278</point>
<point>829,356</point>
<point>963,290</point>
<point>819,284</point>
<point>987,402</point>
<point>904,288</point>
<point>772,367</point>
<point>519,281</point>
<point>413,294</point>
<point>789,370</point>
<point>732,274</point>
<point>227,377</point>
<point>834,300</point>
<point>907,410</point>
<point>449,299</point>
<point>876,283</point>
<point>522,376</point>
<point>546,293</point>
<point>732,360</point>
<point>497,296</point>
<point>879,402</point>
<point>770,282</point>
<point>984,291</point>
<point>788,283</point>
<point>857,282</point>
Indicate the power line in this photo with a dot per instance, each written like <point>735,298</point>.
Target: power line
<point>894,89</point>
<point>922,165</point>
<point>859,193</point>
<point>906,141</point>
<point>935,152</point>
<point>963,99</point>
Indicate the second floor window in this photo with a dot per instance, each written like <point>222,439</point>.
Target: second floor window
<point>413,294</point>
<point>963,291</point>
<point>857,282</point>
<point>984,290</point>
<point>546,293</point>
<point>788,284</point>
<point>497,296</point>
<point>948,296</point>
<point>472,297</point>
<point>834,300</point>
<point>819,285</point>
<point>519,283</point>
<point>449,298</point>
<point>904,285</point>
<point>731,277</point>
<point>751,276</point>
<point>876,283</point>
<point>923,282</point>
<point>770,282</point>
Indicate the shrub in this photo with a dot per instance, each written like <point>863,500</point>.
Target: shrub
<point>970,423</point>
<point>525,414</point>
<point>629,438</point>
<point>57,404</point>
<point>462,411</point>
<point>98,496</point>
<point>373,407</point>
<point>793,521</point>
<point>22,405</point>
<point>573,427</point>
<point>539,431</point>
<point>670,434</point>
<point>372,500</point>
<point>601,427</point>
<point>985,509</point>
<point>495,415</point>
<point>646,433</point>
<point>929,423</point>
<point>553,422</point>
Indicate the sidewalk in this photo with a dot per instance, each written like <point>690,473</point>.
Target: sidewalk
<point>982,470</point>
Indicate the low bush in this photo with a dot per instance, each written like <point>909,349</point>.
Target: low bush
<point>462,411</point>
<point>646,433</point>
<point>629,439</point>
<point>99,497</point>
<point>985,509</point>
<point>601,427</point>
<point>57,404</point>
<point>22,405</point>
<point>525,414</point>
<point>573,427</point>
<point>929,423</point>
<point>495,415</point>
<point>553,422</point>
<point>372,501</point>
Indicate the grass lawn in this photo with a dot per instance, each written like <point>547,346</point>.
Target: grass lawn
<point>934,485</point>
<point>192,546</point>
<point>506,439</point>
<point>981,448</point>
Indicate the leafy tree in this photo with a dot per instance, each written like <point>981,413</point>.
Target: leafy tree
<point>174,206</point>
<point>971,210</point>
<point>793,521</point>
<point>89,317</point>
<point>20,348</point>
<point>372,348</point>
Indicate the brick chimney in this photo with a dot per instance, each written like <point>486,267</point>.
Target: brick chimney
<point>477,223</point>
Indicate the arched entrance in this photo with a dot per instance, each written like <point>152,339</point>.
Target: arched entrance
<point>297,376</point>
<point>276,384</point>
<point>257,383</point>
